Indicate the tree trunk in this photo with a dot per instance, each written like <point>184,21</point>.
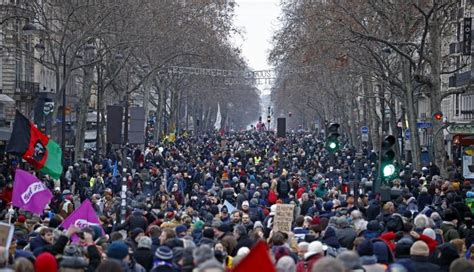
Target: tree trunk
<point>435,95</point>
<point>374,122</point>
<point>411,112</point>
<point>81,115</point>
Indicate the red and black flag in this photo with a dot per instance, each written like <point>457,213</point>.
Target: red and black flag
<point>34,147</point>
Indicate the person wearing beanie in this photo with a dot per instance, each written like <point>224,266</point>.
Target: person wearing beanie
<point>449,225</point>
<point>143,254</point>
<point>402,248</point>
<point>163,260</point>
<point>181,231</point>
<point>46,262</point>
<point>135,236</point>
<point>119,251</point>
<point>315,252</point>
<point>419,256</point>
<point>367,257</point>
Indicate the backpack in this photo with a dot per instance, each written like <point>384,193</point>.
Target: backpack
<point>272,197</point>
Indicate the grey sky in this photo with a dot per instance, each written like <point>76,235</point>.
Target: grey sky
<point>258,19</point>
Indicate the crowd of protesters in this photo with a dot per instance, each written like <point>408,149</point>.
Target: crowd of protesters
<point>162,209</point>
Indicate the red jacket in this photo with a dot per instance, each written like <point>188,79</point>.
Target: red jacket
<point>388,238</point>
<point>432,244</point>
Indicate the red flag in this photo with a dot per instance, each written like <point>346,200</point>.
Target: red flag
<point>258,259</point>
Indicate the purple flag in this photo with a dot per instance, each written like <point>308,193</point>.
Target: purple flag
<point>82,217</point>
<point>29,193</point>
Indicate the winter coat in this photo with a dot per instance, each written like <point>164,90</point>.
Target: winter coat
<point>423,264</point>
<point>346,236</point>
<point>243,241</point>
<point>424,199</point>
<point>144,257</point>
<point>449,231</point>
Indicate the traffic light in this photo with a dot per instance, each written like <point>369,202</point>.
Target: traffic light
<point>388,156</point>
<point>438,116</point>
<point>269,118</point>
<point>332,135</point>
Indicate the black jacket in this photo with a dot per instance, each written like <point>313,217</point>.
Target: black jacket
<point>423,264</point>
<point>144,256</point>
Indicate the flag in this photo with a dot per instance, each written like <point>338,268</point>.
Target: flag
<point>230,207</point>
<point>29,193</point>
<point>34,147</point>
<point>115,170</point>
<point>82,217</point>
<point>217,124</point>
<point>258,259</point>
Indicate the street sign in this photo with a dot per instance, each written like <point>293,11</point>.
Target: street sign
<point>364,130</point>
<point>424,124</point>
<point>461,128</point>
<point>407,134</point>
<point>48,107</point>
<point>365,137</point>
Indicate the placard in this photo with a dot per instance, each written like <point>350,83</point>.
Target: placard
<point>283,217</point>
<point>6,235</point>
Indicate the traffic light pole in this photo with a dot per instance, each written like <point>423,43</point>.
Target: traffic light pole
<point>377,184</point>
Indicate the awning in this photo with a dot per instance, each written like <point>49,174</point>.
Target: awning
<point>6,98</point>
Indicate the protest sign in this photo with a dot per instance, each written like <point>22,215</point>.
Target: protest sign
<point>6,235</point>
<point>283,217</point>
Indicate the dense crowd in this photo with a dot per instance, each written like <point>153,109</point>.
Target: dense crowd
<point>202,203</point>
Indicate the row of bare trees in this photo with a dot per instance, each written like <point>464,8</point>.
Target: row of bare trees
<point>372,61</point>
<point>119,49</point>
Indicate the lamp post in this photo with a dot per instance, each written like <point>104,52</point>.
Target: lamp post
<point>63,124</point>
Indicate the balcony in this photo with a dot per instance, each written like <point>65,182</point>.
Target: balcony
<point>27,88</point>
<point>460,79</point>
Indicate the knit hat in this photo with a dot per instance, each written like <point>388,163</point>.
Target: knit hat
<point>163,253</point>
<point>419,248</point>
<point>117,250</point>
<point>181,230</point>
<point>46,262</point>
<point>430,233</point>
<point>198,225</point>
<point>21,218</point>
<point>315,247</point>
<point>258,224</point>
<point>224,228</point>
<point>402,249</point>
<point>366,248</point>
<point>136,231</point>
<point>144,242</point>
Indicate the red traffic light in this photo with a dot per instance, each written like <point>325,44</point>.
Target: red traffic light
<point>438,116</point>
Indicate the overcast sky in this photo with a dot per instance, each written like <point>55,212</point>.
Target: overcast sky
<point>258,19</point>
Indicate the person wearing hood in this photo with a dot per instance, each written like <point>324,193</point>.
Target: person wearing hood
<point>345,233</point>
<point>315,252</point>
<point>331,241</point>
<point>383,252</point>
<point>367,257</point>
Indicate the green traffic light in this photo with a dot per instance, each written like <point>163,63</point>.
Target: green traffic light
<point>332,145</point>
<point>388,170</point>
